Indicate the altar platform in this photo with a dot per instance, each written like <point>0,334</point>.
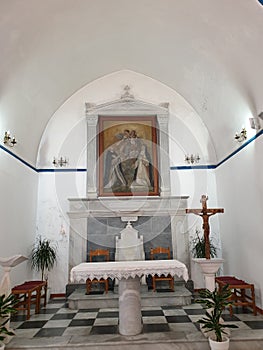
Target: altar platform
<point>162,297</point>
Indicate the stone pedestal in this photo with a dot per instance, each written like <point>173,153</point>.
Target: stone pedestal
<point>130,317</point>
<point>209,268</point>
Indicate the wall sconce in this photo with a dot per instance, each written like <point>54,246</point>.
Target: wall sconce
<point>60,162</point>
<point>242,136</point>
<point>192,158</point>
<point>254,123</point>
<point>9,140</point>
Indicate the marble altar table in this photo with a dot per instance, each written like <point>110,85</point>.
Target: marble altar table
<point>128,273</point>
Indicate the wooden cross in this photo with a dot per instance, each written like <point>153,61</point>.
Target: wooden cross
<point>205,214</point>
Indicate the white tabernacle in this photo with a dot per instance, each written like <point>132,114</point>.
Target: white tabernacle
<point>129,274</point>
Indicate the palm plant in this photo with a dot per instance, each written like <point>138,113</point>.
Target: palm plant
<point>216,301</point>
<point>43,255</point>
<point>7,307</point>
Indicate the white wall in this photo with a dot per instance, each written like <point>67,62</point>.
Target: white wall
<point>53,221</point>
<point>65,133</point>
<point>240,192</point>
<point>195,183</point>
<point>18,188</point>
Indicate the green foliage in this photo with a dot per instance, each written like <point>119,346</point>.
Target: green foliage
<point>198,246</point>
<point>7,307</point>
<point>43,255</point>
<point>216,301</point>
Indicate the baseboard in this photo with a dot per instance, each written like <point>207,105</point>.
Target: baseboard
<point>57,295</point>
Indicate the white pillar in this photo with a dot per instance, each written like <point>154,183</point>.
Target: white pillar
<point>77,241</point>
<point>164,170</point>
<point>130,317</point>
<point>180,239</point>
<point>92,121</point>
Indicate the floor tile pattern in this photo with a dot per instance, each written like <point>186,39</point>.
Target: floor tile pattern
<point>58,320</point>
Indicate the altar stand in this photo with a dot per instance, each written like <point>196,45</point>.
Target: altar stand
<point>128,273</point>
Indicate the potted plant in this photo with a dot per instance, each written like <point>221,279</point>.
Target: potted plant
<point>198,246</point>
<point>43,256</point>
<point>7,307</point>
<point>212,322</point>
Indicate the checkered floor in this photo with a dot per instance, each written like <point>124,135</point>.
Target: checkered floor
<point>58,320</point>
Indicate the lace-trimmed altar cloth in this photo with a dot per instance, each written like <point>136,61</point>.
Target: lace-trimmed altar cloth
<point>126,269</point>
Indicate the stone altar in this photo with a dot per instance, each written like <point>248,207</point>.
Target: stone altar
<point>128,273</point>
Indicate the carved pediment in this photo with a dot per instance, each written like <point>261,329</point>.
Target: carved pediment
<point>127,103</point>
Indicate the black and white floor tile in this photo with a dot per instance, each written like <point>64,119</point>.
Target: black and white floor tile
<point>58,320</point>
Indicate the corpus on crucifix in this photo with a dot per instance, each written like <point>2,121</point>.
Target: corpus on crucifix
<point>205,214</point>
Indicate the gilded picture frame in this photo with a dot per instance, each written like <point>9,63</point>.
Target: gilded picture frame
<point>128,156</point>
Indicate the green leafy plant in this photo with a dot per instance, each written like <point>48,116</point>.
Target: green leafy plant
<point>43,255</point>
<point>7,307</point>
<point>216,301</point>
<point>198,246</point>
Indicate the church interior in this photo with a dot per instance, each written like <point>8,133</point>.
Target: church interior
<point>128,126</point>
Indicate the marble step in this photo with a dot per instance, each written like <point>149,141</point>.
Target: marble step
<point>152,341</point>
<point>79,300</point>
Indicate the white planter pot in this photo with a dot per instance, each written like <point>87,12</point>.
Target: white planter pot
<point>215,345</point>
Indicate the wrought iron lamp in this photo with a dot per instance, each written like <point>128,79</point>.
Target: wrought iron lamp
<point>242,136</point>
<point>60,162</point>
<point>9,140</point>
<point>192,158</point>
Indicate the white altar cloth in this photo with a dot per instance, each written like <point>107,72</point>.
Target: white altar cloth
<point>129,273</point>
<point>127,269</point>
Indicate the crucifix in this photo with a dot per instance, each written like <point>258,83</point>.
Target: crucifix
<point>205,214</point>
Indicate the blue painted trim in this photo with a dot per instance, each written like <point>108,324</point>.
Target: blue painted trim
<point>192,167</point>
<point>241,147</point>
<point>60,170</point>
<point>182,167</point>
<point>18,158</point>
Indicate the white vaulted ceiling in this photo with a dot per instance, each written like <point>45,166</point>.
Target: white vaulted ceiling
<point>208,51</point>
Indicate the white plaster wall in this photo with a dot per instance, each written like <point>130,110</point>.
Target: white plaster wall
<point>53,221</point>
<point>65,133</point>
<point>18,188</point>
<point>195,183</point>
<point>240,191</point>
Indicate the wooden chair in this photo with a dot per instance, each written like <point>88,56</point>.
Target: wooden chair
<point>96,256</point>
<point>161,253</point>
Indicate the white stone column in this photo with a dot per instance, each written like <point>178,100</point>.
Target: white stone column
<point>92,121</point>
<point>77,242</point>
<point>164,161</point>
<point>130,317</point>
<point>180,239</point>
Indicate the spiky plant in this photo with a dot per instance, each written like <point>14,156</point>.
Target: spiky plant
<point>7,307</point>
<point>43,255</point>
<point>216,301</point>
<point>198,246</point>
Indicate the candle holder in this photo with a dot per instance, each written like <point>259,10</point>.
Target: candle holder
<point>9,140</point>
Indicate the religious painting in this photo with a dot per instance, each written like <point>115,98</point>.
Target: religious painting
<point>127,150</point>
